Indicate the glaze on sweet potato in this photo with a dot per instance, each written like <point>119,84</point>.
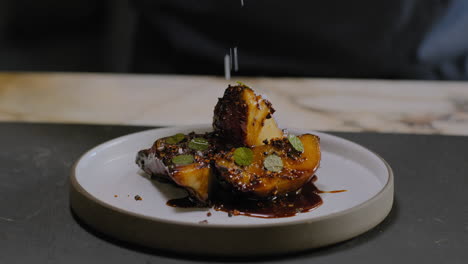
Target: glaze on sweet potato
<point>196,177</point>
<point>258,182</point>
<point>242,118</point>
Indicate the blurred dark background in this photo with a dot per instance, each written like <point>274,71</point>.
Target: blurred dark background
<point>404,39</point>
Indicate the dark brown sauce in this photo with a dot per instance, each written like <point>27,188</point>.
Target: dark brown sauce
<point>184,202</point>
<point>285,206</point>
<point>304,201</point>
<point>336,191</point>
<point>314,179</point>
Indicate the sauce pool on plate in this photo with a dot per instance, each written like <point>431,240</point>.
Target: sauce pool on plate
<point>286,206</point>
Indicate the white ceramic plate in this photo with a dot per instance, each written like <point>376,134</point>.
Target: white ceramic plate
<point>105,180</point>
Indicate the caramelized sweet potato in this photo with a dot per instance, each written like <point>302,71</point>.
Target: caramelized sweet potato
<point>193,172</point>
<point>242,118</point>
<point>201,162</point>
<point>196,178</point>
<point>257,181</point>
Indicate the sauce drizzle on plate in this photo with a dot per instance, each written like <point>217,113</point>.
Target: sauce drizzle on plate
<point>305,200</point>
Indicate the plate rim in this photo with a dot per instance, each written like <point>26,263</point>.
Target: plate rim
<point>389,185</point>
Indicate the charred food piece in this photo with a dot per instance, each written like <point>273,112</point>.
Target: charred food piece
<point>242,118</point>
<point>282,166</point>
<point>183,160</point>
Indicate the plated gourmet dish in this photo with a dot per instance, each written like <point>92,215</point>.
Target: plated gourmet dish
<point>246,166</point>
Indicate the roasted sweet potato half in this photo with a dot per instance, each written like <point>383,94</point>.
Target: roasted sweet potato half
<point>276,168</point>
<point>183,160</point>
<point>196,178</point>
<point>242,118</point>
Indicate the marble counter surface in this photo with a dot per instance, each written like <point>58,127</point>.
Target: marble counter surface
<point>428,107</point>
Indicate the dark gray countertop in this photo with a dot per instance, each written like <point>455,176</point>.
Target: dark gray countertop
<point>428,224</point>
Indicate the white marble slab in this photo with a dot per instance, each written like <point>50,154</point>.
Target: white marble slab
<point>324,104</point>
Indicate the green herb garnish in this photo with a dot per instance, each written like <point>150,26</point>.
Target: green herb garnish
<point>273,163</point>
<point>243,156</point>
<point>198,144</point>
<point>175,138</point>
<point>183,159</point>
<point>296,143</point>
